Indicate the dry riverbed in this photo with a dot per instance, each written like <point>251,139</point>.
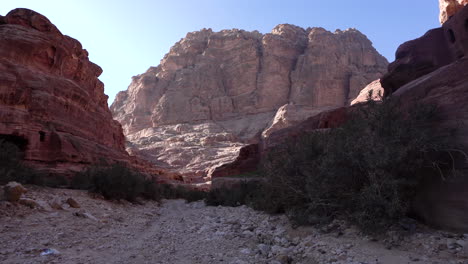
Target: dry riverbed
<point>178,232</point>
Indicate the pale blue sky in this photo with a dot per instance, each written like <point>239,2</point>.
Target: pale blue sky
<point>125,38</point>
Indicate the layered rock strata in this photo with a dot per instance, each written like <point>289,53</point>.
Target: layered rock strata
<point>52,104</point>
<point>431,70</point>
<point>215,92</point>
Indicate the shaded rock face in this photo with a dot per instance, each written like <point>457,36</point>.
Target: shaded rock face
<point>448,8</point>
<point>52,104</point>
<point>214,92</point>
<point>444,84</point>
<point>437,48</point>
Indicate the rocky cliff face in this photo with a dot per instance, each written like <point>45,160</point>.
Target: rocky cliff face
<point>214,92</point>
<point>433,70</point>
<point>448,8</point>
<point>52,104</point>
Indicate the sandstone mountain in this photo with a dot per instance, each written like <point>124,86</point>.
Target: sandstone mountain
<point>52,104</point>
<point>215,92</point>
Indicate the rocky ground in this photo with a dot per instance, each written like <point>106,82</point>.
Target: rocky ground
<point>178,232</point>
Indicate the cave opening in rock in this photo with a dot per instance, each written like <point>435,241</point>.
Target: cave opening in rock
<point>18,141</point>
<point>451,36</point>
<point>41,136</point>
<point>466,25</point>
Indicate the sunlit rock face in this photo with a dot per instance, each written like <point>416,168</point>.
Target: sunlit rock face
<point>215,92</point>
<point>52,104</point>
<point>448,8</point>
<point>374,91</point>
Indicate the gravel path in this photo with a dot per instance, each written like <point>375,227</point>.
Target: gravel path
<point>179,232</point>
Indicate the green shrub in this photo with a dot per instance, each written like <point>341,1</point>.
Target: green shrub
<point>119,182</point>
<point>169,191</point>
<point>115,182</point>
<point>233,195</point>
<point>366,171</point>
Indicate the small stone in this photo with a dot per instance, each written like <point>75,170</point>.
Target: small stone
<point>284,259</point>
<point>13,191</point>
<point>56,204</point>
<point>29,202</point>
<point>246,251</point>
<point>85,215</point>
<point>73,203</point>
<point>264,249</point>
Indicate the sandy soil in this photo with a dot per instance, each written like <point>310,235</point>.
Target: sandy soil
<point>179,232</point>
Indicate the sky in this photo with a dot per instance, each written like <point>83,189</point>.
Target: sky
<point>126,37</point>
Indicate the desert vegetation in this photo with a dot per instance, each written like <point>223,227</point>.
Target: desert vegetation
<point>366,171</point>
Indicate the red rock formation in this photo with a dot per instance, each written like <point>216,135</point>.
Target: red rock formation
<point>431,70</point>
<point>52,103</point>
<point>374,88</point>
<point>437,48</point>
<point>444,83</point>
<point>215,92</point>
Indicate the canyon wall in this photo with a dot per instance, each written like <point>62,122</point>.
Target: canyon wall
<point>215,92</point>
<point>432,70</point>
<point>52,104</point>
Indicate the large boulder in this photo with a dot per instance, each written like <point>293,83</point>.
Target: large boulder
<point>216,92</point>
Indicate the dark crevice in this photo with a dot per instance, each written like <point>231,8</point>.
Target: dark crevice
<point>260,62</point>
<point>347,88</point>
<point>293,69</point>
<point>41,136</point>
<point>451,36</point>
<point>18,141</point>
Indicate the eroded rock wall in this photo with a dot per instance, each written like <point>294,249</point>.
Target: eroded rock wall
<point>52,104</point>
<point>435,73</point>
<point>215,92</point>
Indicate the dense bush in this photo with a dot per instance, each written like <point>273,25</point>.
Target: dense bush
<point>119,182</point>
<point>169,191</point>
<point>366,171</point>
<point>233,195</point>
<point>116,182</point>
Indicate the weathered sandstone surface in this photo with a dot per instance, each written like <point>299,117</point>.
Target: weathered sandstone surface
<point>431,70</point>
<point>373,91</point>
<point>448,8</point>
<point>52,104</point>
<point>443,201</point>
<point>215,92</point>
